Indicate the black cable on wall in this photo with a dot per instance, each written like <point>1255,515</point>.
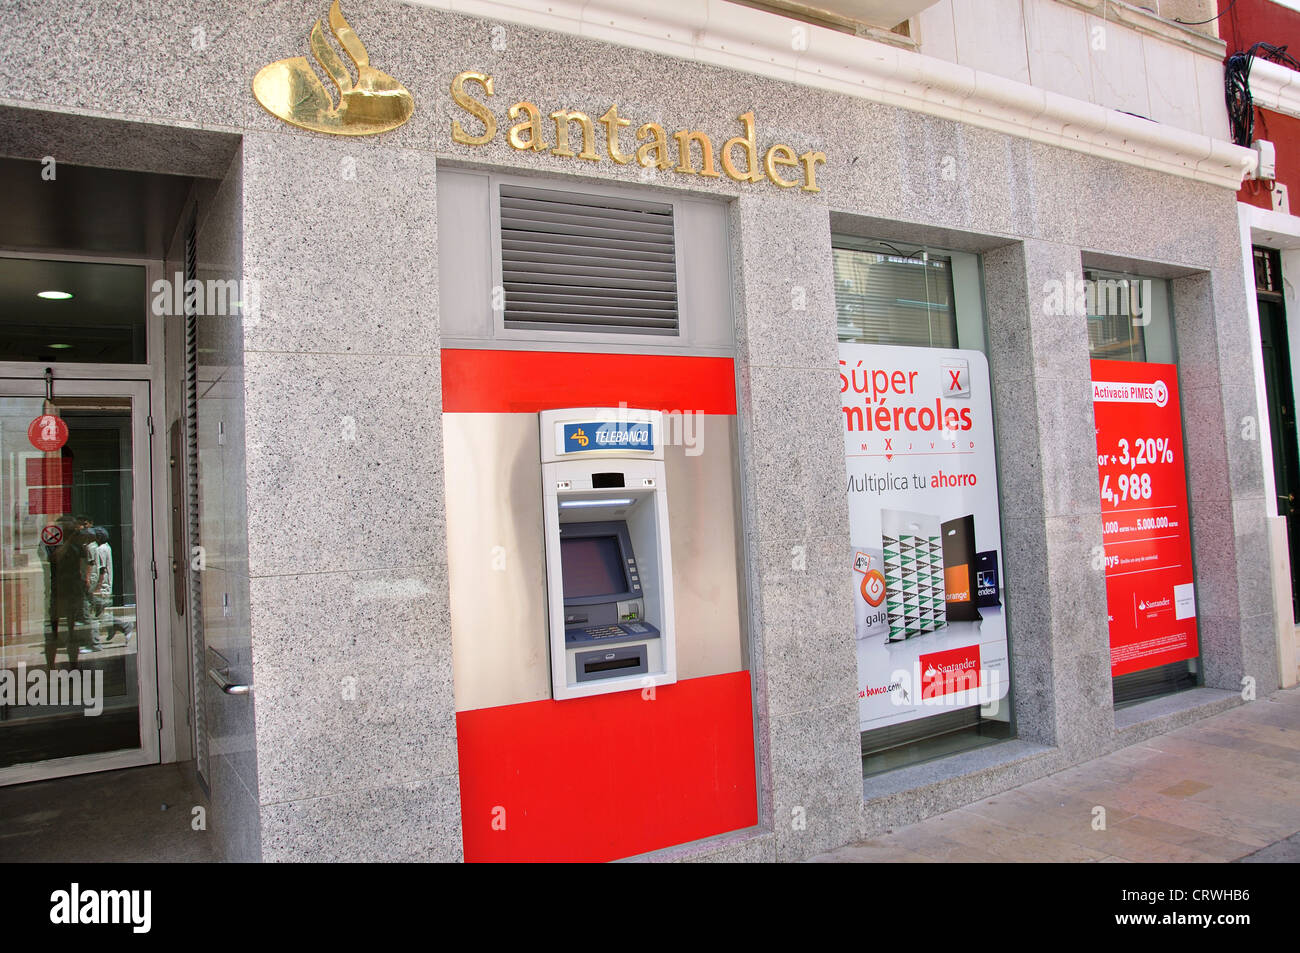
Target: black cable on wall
<point>1236,81</point>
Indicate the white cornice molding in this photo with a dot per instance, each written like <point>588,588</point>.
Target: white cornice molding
<point>723,34</point>
<point>1273,86</point>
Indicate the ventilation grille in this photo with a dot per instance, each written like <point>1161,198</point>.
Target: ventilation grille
<point>572,262</point>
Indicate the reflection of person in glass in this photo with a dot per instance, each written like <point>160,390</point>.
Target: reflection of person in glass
<point>99,586</point>
<point>67,591</point>
<point>89,580</point>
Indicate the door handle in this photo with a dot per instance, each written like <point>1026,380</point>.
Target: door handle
<point>226,685</point>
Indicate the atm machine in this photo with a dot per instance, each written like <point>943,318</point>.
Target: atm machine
<point>608,560</point>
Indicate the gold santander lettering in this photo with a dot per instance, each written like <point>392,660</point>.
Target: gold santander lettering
<point>532,125</point>
<point>562,119</point>
<point>472,106</point>
<point>613,122</point>
<point>749,143</point>
<point>780,155</point>
<point>741,157</point>
<point>685,161</point>
<point>656,145</point>
<point>810,160</point>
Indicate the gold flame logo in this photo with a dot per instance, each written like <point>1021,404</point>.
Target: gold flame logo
<point>290,89</point>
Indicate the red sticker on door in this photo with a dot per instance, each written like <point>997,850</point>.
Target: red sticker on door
<point>47,432</point>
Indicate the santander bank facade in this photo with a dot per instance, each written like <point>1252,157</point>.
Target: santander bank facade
<point>713,431</point>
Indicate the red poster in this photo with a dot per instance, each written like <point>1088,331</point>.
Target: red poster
<point>1150,599</point>
<point>49,471</point>
<point>47,500</point>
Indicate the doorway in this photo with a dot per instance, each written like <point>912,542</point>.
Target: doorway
<point>102,233</point>
<point>1279,387</point>
<point>78,648</point>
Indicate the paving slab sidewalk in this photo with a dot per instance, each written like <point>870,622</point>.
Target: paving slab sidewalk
<point>1224,788</point>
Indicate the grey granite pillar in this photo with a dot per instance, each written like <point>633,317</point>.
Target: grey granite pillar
<point>1225,482</point>
<point>356,741</point>
<point>797,524</point>
<point>1050,502</point>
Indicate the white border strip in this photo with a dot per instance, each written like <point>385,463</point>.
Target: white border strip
<point>1273,86</point>
<point>724,34</point>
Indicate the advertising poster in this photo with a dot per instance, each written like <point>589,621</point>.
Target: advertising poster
<point>925,531</point>
<point>1150,599</point>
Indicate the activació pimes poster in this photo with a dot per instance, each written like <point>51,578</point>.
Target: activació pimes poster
<point>1150,598</point>
<point>925,531</point>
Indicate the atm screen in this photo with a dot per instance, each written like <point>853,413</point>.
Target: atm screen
<point>592,566</point>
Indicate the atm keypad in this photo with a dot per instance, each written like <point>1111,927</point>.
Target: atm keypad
<point>623,630</point>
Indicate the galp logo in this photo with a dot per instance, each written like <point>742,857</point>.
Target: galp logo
<point>289,89</point>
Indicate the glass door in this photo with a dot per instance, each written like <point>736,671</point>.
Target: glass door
<point>78,676</point>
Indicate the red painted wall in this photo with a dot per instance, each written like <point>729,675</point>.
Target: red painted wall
<point>596,779</point>
<point>1241,26</point>
<point>1249,21</point>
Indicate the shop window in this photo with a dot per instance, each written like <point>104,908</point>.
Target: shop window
<point>891,299</point>
<point>925,526</point>
<point>1145,512</point>
<point>1128,317</point>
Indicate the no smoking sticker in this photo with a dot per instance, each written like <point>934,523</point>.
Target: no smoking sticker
<point>51,535</point>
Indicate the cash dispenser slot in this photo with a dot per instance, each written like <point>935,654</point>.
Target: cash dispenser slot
<point>629,660</point>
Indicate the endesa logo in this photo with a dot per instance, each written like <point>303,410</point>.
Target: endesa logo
<point>953,670</point>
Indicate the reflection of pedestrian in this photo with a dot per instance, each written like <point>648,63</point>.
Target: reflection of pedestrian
<point>67,592</point>
<point>99,590</point>
<point>89,580</point>
<point>101,595</point>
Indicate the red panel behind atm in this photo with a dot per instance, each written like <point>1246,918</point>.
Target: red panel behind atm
<point>596,779</point>
<point>505,382</point>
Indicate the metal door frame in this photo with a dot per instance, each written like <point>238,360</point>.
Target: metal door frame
<point>146,628</point>
<point>154,475</point>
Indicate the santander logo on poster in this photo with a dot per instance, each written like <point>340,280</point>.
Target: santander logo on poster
<point>953,670</point>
